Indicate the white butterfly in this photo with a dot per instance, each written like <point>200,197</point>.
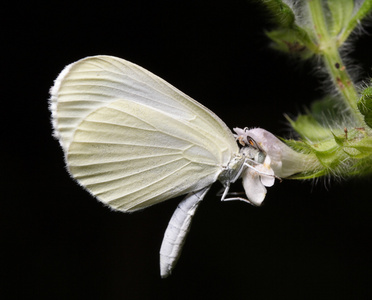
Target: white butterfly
<point>133,140</point>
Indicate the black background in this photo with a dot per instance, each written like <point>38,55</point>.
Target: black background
<point>308,241</point>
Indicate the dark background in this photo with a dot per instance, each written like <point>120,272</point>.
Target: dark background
<point>308,241</point>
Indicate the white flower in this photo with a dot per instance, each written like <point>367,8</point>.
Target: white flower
<point>271,158</point>
<point>254,182</point>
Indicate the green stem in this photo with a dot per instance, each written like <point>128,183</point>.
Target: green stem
<point>328,49</point>
<point>341,79</point>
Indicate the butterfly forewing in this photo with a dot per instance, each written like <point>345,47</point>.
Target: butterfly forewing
<point>131,138</point>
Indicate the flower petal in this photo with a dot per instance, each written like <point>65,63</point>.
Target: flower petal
<point>253,187</point>
<point>268,180</point>
<point>265,168</point>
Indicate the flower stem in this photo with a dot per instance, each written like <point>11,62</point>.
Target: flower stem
<point>329,51</point>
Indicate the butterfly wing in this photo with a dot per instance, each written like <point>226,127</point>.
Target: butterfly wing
<point>131,138</point>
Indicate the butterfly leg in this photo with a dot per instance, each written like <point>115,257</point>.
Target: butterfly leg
<point>240,199</point>
<point>226,192</point>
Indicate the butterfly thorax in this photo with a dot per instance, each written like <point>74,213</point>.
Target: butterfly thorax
<point>232,171</point>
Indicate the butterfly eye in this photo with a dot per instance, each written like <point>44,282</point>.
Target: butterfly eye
<point>252,142</point>
<point>259,155</point>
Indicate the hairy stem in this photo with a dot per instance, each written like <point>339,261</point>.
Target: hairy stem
<point>329,51</point>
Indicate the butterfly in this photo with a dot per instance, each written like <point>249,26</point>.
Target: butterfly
<point>133,140</point>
